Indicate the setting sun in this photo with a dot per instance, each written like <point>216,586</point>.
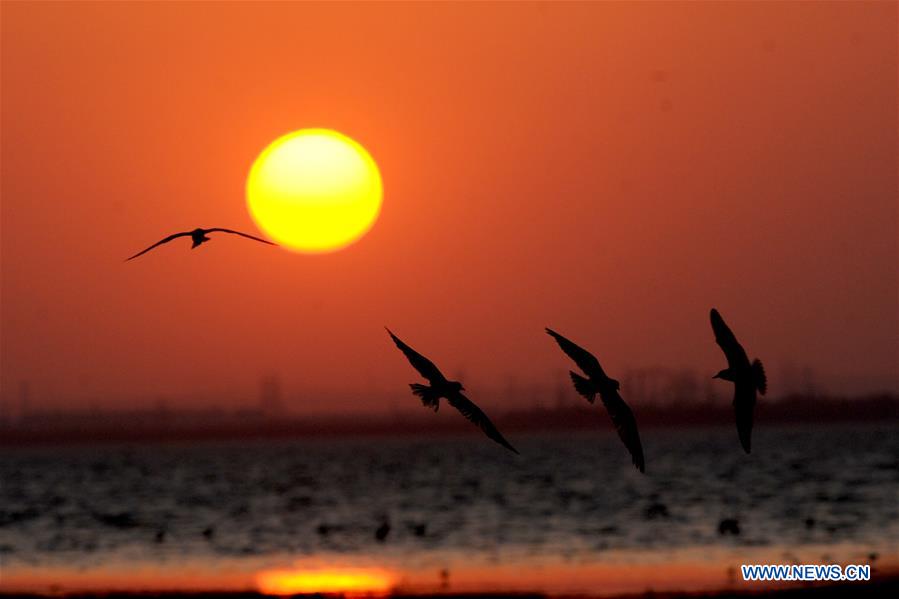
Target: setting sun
<point>314,191</point>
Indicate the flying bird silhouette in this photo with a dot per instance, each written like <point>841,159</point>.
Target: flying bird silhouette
<point>747,378</point>
<point>598,382</point>
<point>199,237</point>
<point>451,390</point>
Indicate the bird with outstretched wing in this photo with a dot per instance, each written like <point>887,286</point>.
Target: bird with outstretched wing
<point>199,237</point>
<point>748,377</point>
<point>450,390</point>
<point>597,382</point>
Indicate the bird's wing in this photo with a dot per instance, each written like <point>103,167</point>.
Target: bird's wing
<point>479,418</point>
<point>733,351</point>
<point>424,366</point>
<point>160,242</point>
<point>626,425</point>
<point>744,406</point>
<point>586,361</point>
<point>248,236</point>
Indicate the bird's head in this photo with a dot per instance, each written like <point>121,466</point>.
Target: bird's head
<point>724,374</point>
<point>616,384</point>
<point>456,386</point>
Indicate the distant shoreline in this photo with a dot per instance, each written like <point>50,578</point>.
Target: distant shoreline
<point>162,425</point>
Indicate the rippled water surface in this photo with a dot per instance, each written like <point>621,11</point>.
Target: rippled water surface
<point>570,498</point>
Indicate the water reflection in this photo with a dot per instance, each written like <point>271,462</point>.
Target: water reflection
<point>418,507</point>
<point>344,581</point>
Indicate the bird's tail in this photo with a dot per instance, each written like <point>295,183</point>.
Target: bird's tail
<point>429,398</point>
<point>583,386</point>
<point>758,372</point>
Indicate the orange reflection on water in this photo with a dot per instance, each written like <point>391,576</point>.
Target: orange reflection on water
<point>343,581</point>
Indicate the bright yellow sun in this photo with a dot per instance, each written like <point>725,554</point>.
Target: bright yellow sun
<point>314,191</point>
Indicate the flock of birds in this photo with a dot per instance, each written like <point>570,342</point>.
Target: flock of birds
<point>748,377</point>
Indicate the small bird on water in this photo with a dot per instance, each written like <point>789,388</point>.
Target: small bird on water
<point>451,390</point>
<point>748,378</point>
<point>382,531</point>
<point>598,382</point>
<point>199,237</point>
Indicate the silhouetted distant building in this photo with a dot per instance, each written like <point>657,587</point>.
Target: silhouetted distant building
<point>270,402</point>
<point>24,399</point>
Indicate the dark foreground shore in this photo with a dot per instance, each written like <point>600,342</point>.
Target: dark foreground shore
<point>880,588</point>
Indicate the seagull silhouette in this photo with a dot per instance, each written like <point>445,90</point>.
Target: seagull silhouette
<point>451,390</point>
<point>598,382</point>
<point>747,378</point>
<point>199,237</point>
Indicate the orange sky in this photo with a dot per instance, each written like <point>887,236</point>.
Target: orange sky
<point>611,170</point>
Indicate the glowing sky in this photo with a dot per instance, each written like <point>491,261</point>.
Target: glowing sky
<point>611,170</point>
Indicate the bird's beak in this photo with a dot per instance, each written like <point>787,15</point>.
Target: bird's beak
<point>716,377</point>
